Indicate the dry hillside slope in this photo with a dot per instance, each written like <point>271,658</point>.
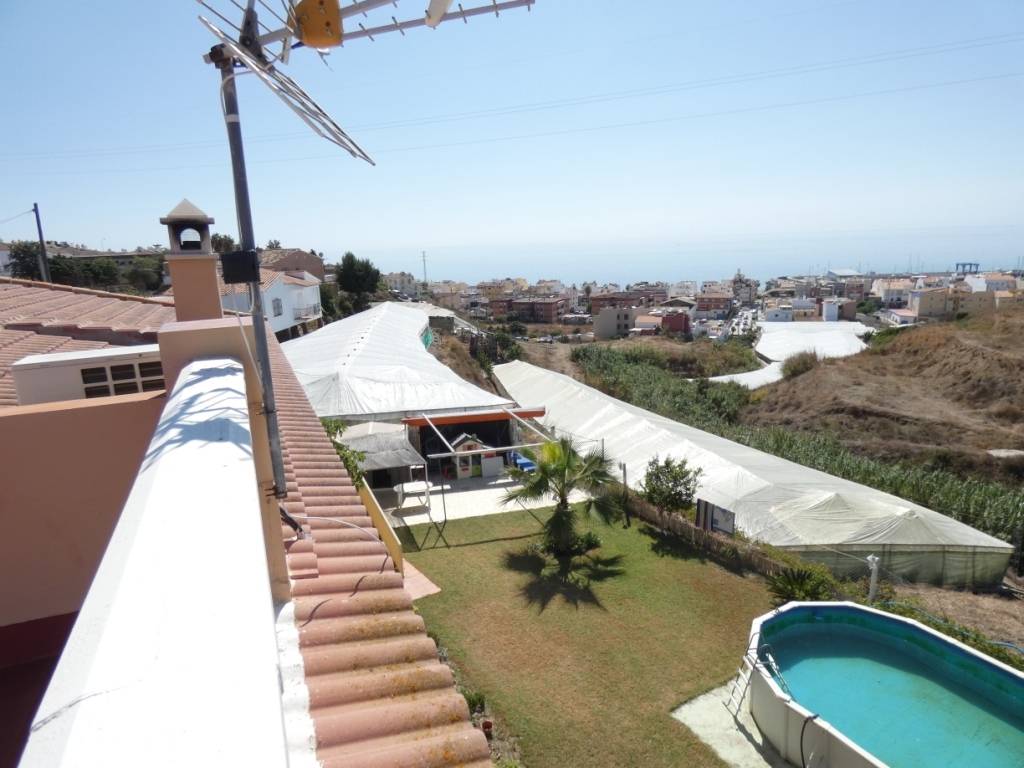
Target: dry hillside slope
<point>942,393</point>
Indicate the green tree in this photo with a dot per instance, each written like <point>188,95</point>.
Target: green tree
<point>328,304</point>
<point>25,259</point>
<point>273,244</point>
<point>561,471</point>
<point>102,272</point>
<point>358,278</point>
<point>222,243</point>
<point>66,270</point>
<point>144,274</point>
<point>670,485</point>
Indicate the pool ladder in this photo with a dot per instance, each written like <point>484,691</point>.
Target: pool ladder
<point>741,682</point>
<point>765,653</point>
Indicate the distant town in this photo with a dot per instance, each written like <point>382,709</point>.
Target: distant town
<point>717,309</point>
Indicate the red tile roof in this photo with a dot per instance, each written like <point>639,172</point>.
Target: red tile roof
<point>379,696</point>
<point>24,302</point>
<point>267,278</point>
<point>37,318</point>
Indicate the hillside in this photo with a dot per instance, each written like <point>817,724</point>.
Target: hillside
<point>453,353</point>
<point>942,394</point>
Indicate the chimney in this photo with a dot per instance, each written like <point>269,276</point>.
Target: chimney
<point>192,263</point>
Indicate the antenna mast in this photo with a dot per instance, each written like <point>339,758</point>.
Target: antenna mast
<point>425,283</point>
<point>318,25</point>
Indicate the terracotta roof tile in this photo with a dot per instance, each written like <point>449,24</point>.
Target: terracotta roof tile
<point>37,318</point>
<point>267,278</point>
<point>378,695</point>
<point>15,345</point>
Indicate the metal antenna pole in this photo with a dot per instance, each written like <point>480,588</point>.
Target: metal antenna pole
<point>44,264</point>
<point>247,242</point>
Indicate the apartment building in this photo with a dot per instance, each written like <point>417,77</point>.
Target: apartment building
<point>539,310</point>
<point>614,322</point>
<point>713,306</point>
<point>403,282</point>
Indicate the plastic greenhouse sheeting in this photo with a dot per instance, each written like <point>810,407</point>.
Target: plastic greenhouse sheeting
<point>782,503</point>
<point>375,365</point>
<point>753,379</point>
<point>833,339</point>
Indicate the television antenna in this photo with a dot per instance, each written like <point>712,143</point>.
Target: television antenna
<point>249,47</point>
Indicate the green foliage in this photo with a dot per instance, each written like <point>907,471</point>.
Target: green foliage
<point>670,485</point>
<point>880,339</point>
<point>273,244</point>
<point>799,364</point>
<point>996,508</point>
<point>144,273</point>
<point>507,347</point>
<point>485,362</point>
<point>807,582</point>
<point>561,471</point>
<point>102,272</point>
<point>868,306</point>
<point>67,271</point>
<point>24,259</point>
<point>476,701</point>
<point>222,243</point>
<point>358,278</point>
<point>642,376</point>
<point>349,457</point>
<point>328,299</point>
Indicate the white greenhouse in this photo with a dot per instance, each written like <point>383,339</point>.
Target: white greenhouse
<point>779,502</point>
<point>375,366</point>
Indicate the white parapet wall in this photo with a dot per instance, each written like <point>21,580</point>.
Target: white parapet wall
<point>173,658</point>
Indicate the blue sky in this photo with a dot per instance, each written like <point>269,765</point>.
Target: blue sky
<point>587,139</point>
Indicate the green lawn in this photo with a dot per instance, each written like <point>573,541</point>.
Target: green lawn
<point>586,676</point>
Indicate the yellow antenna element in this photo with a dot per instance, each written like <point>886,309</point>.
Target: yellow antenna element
<point>318,23</point>
<point>436,11</point>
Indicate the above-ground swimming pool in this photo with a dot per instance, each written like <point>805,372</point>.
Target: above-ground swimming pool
<point>839,684</point>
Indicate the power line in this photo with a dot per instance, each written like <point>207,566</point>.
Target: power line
<point>584,129</point>
<point>16,216</point>
<point>666,89</point>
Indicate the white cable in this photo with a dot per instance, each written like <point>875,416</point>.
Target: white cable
<point>245,339</point>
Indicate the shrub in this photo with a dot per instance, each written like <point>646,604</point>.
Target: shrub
<point>670,485</point>
<point>475,700</point>
<point>807,582</point>
<point>799,364</point>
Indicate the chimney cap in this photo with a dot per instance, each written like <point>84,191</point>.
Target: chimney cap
<point>186,211</point>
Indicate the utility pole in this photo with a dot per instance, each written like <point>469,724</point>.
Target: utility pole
<point>424,255</point>
<point>44,265</point>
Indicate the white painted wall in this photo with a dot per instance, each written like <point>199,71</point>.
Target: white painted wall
<point>291,297</point>
<point>173,658</point>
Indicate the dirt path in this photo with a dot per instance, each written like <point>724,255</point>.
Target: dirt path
<point>1001,618</point>
<point>555,357</point>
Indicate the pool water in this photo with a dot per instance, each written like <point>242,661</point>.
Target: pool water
<point>906,697</point>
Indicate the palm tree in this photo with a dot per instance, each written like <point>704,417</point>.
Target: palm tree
<point>561,470</point>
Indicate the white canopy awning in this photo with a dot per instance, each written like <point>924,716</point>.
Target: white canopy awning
<point>375,365</point>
